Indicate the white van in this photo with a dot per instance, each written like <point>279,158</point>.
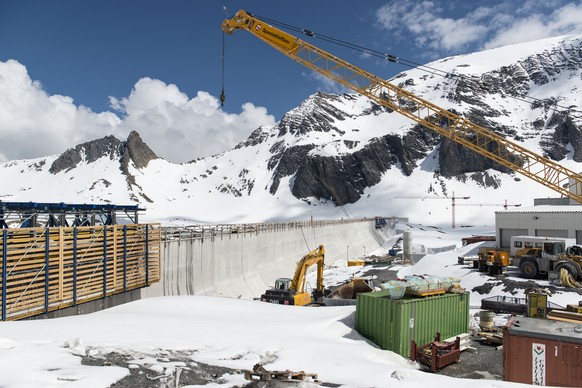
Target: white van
<point>523,243</point>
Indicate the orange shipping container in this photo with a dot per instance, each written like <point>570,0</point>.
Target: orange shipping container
<point>542,352</point>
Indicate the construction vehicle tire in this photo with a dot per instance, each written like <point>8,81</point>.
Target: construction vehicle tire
<point>529,269</point>
<point>495,270</point>
<point>571,268</point>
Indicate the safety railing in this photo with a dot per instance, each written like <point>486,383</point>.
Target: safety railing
<point>47,269</point>
<point>202,232</point>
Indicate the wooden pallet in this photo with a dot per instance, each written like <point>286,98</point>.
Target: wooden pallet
<point>492,338</point>
<point>259,373</point>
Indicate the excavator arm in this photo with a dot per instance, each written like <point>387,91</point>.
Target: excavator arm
<point>316,256</point>
<point>454,127</point>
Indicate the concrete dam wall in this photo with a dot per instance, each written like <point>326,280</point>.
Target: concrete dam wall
<point>243,261</point>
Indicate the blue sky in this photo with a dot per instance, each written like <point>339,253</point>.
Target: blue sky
<point>123,59</point>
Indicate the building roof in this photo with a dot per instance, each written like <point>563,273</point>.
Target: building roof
<point>544,209</point>
<point>547,329</point>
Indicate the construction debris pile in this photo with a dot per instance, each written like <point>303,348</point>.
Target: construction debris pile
<point>259,373</point>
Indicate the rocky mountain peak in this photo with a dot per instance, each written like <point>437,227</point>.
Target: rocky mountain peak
<point>137,151</point>
<point>316,114</point>
<point>134,150</point>
<point>87,152</point>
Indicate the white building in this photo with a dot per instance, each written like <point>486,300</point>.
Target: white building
<point>543,220</point>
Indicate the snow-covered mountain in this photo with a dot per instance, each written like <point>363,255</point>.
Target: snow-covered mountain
<point>344,149</point>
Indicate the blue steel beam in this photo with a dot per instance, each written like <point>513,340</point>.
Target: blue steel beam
<point>49,206</point>
<point>46,271</point>
<point>147,253</point>
<point>75,231</point>
<point>104,261</point>
<point>4,271</point>
<point>124,257</point>
<point>31,211</point>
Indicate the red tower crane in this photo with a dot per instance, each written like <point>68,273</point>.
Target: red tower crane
<point>452,199</point>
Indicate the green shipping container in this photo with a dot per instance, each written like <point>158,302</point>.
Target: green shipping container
<point>393,324</point>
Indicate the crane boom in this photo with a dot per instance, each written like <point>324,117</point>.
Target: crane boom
<point>450,125</point>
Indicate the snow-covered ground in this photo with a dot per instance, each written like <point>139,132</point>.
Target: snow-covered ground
<point>235,333</point>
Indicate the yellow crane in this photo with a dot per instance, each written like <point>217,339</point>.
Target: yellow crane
<point>485,142</point>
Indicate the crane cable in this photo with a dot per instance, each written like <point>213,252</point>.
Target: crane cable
<point>222,96</point>
<point>396,59</point>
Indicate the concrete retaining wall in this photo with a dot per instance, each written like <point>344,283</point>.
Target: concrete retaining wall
<point>246,264</point>
<point>92,306</point>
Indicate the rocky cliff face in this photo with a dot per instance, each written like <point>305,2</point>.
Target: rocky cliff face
<point>136,151</point>
<point>344,178</point>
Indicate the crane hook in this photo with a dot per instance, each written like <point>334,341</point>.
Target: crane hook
<point>222,98</point>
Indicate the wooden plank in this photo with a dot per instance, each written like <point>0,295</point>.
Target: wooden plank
<point>25,305</point>
<point>32,293</point>
<point>566,316</point>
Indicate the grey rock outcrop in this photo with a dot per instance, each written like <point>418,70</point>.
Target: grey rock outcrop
<point>133,150</point>
<point>136,151</point>
<point>88,152</point>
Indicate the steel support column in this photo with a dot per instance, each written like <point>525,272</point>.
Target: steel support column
<point>4,271</point>
<point>104,261</point>
<point>124,258</point>
<point>147,250</point>
<point>46,269</point>
<point>75,231</point>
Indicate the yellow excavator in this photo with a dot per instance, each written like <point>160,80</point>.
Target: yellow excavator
<point>292,291</point>
<point>448,124</point>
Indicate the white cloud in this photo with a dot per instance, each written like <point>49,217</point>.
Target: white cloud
<point>565,20</point>
<point>180,129</point>
<point>430,30</point>
<point>490,26</point>
<point>35,124</point>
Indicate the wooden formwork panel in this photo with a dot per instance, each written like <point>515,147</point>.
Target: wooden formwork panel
<point>45,269</point>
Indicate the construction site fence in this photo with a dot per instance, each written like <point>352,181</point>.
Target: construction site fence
<point>226,231</point>
<point>47,269</point>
